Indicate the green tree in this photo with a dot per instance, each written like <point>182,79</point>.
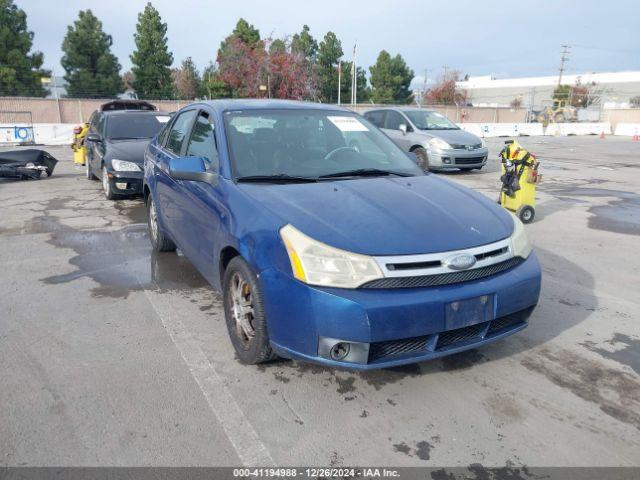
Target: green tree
<point>186,80</point>
<point>212,85</point>
<point>277,46</point>
<point>152,60</point>
<point>329,53</point>
<point>304,44</point>
<point>91,70</point>
<point>363,91</point>
<point>246,33</point>
<point>390,80</point>
<point>20,71</point>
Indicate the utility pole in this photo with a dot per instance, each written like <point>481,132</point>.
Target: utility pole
<point>424,88</point>
<point>446,69</point>
<point>563,58</point>
<point>339,78</point>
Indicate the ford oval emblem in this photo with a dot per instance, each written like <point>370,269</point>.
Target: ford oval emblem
<point>461,261</point>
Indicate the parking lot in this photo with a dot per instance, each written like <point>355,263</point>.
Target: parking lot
<point>112,355</point>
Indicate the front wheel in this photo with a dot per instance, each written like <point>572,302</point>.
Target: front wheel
<point>244,313</point>
<point>423,158</point>
<point>106,185</point>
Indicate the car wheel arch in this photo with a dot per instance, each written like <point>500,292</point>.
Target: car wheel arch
<point>227,254</point>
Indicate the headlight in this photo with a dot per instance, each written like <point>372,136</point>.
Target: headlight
<point>519,241</point>
<point>439,144</point>
<point>483,143</point>
<point>315,263</point>
<point>124,166</point>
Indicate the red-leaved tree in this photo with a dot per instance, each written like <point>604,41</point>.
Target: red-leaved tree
<point>445,91</point>
<point>245,68</point>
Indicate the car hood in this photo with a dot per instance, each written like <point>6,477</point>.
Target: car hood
<point>130,150</point>
<point>384,215</point>
<point>459,137</point>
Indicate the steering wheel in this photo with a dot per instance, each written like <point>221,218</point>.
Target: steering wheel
<point>335,151</point>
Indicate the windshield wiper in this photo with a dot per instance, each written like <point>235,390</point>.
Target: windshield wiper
<point>365,172</point>
<point>277,178</point>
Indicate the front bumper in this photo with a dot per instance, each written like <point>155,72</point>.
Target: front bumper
<point>126,183</point>
<point>457,158</point>
<point>396,326</point>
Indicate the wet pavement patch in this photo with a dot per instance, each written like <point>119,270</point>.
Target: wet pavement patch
<point>626,350</point>
<point>120,261</point>
<point>620,215</point>
<point>616,392</point>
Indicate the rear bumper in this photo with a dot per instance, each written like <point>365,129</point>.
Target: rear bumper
<point>390,327</point>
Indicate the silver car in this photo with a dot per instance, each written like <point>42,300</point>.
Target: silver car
<point>438,143</point>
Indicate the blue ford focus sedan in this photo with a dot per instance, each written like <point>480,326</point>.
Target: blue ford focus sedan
<point>327,241</point>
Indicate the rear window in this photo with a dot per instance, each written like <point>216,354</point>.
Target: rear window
<point>134,126</point>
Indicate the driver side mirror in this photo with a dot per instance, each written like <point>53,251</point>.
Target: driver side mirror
<point>94,137</point>
<point>193,169</point>
<point>403,128</point>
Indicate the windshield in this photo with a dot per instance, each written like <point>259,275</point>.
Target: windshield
<point>311,144</point>
<point>134,126</point>
<point>427,120</point>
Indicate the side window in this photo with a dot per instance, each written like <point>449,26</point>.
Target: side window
<point>393,120</point>
<point>179,131</point>
<point>203,142</point>
<point>377,117</point>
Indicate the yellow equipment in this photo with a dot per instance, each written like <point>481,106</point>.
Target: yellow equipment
<point>519,179</point>
<point>78,146</point>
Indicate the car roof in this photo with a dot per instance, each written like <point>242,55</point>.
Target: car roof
<point>115,113</point>
<point>263,104</point>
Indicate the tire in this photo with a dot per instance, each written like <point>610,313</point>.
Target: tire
<point>526,213</point>
<point>88,172</point>
<point>106,185</point>
<point>159,241</point>
<point>423,158</point>
<point>559,118</point>
<point>243,300</point>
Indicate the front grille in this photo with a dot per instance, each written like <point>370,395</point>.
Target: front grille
<point>468,160</point>
<point>444,278</point>
<point>391,348</point>
<point>509,321</point>
<point>457,146</point>
<point>450,337</point>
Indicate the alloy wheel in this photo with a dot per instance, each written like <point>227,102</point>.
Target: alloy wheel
<point>153,220</point>
<point>242,306</point>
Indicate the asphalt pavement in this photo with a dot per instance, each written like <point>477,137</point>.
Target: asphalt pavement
<point>113,355</point>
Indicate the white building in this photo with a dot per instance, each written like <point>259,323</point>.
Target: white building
<point>614,89</point>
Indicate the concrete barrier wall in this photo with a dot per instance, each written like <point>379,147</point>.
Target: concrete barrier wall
<point>628,129</point>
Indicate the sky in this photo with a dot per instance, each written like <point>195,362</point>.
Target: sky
<point>483,37</point>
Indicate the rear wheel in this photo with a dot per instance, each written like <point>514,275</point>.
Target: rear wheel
<point>159,241</point>
<point>244,313</point>
<point>423,158</point>
<point>88,172</point>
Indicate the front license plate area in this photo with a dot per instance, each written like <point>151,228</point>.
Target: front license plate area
<point>471,311</point>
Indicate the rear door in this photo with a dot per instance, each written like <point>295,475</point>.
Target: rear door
<point>168,189</point>
<point>201,207</point>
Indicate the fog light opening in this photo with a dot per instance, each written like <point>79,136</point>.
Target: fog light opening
<point>446,160</point>
<point>121,186</point>
<point>340,350</point>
